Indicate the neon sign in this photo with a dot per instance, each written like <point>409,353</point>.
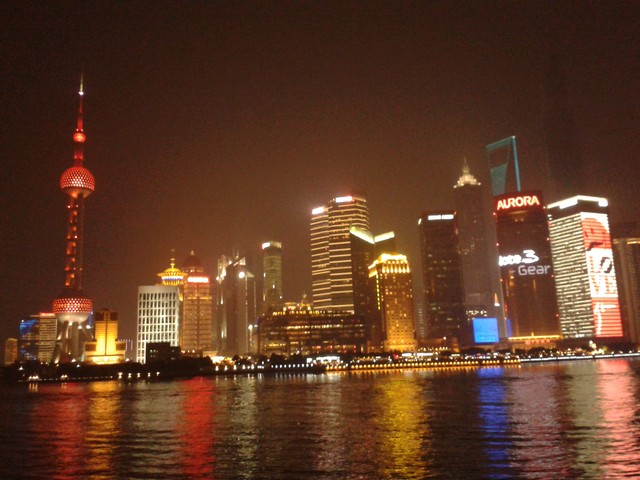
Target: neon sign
<point>518,202</point>
<point>198,280</point>
<point>528,256</point>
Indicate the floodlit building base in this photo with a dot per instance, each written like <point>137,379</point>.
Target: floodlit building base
<point>527,343</point>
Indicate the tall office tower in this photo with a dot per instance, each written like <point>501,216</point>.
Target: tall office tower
<point>72,307</point>
<point>476,237</point>
<point>365,248</point>
<point>105,348</point>
<point>526,271</point>
<point>272,275</point>
<point>159,309</point>
<point>219,311</point>
<point>391,280</point>
<point>627,262</point>
<point>238,306</point>
<point>584,268</point>
<point>331,267</point>
<point>442,277</point>
<point>563,151</point>
<point>196,332</point>
<point>38,335</point>
<point>10,351</point>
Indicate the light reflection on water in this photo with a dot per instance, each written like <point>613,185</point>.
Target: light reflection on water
<point>573,420</point>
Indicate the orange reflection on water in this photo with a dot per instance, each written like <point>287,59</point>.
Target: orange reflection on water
<point>195,428</point>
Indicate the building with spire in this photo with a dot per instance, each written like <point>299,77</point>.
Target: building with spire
<point>160,311</point>
<point>477,245</point>
<point>72,307</point>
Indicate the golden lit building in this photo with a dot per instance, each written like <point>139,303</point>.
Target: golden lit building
<point>106,348</point>
<point>298,329</point>
<point>390,278</point>
<point>10,351</point>
<point>196,330</point>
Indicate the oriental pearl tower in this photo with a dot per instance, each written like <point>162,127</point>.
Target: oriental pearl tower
<point>72,307</point>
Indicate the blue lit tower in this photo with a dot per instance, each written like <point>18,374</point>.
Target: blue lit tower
<point>72,307</point>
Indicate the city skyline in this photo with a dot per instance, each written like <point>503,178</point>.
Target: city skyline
<point>254,115</point>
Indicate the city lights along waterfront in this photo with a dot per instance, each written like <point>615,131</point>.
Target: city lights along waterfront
<point>575,419</point>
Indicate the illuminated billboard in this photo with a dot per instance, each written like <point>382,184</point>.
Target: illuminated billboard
<point>485,330</point>
<point>602,275</point>
<point>524,258</point>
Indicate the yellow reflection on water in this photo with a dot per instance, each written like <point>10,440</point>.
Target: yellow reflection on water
<point>103,425</point>
<point>402,420</point>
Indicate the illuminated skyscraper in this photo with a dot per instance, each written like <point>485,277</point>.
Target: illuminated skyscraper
<point>391,280</point>
<point>106,348</point>
<point>365,248</point>
<point>159,309</point>
<point>525,264</point>
<point>331,256</point>
<point>584,268</point>
<point>627,261</point>
<point>478,253</point>
<point>72,307</point>
<point>238,309</point>
<point>272,275</point>
<point>442,277</point>
<point>196,331</point>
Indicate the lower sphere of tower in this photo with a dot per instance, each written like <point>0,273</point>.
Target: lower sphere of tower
<point>72,309</point>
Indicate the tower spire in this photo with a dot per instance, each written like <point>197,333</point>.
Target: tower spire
<point>466,178</point>
<point>72,307</point>
<point>79,136</point>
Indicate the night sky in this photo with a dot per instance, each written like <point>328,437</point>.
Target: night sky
<point>211,125</point>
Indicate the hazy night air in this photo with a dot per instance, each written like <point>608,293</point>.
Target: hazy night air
<point>215,125</point>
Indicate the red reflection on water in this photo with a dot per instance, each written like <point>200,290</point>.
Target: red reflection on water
<point>617,386</point>
<point>195,428</point>
<point>60,425</point>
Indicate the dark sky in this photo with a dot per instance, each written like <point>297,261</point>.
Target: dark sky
<point>215,124</point>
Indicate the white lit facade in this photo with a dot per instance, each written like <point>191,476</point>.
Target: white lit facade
<point>585,276</point>
<point>159,309</point>
<point>331,256</point>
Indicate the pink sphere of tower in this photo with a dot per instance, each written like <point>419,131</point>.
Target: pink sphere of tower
<point>76,181</point>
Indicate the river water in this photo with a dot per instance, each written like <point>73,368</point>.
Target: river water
<point>570,420</point>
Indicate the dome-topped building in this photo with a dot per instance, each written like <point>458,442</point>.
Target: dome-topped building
<point>172,275</point>
<point>192,264</point>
